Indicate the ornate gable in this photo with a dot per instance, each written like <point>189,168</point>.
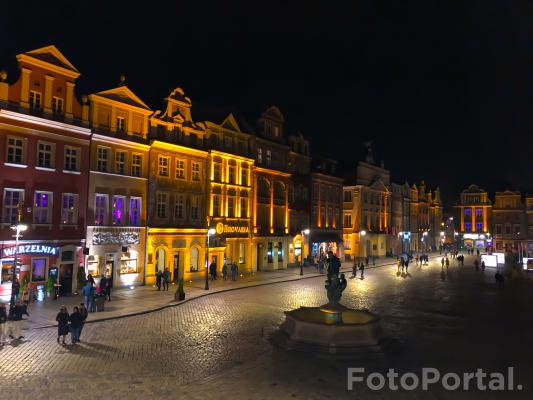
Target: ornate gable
<point>123,94</point>
<point>49,57</point>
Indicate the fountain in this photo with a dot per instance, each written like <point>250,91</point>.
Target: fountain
<point>331,328</point>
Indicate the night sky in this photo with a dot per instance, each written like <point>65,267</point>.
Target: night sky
<point>443,88</point>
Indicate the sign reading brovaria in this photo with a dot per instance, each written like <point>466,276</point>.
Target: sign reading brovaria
<point>228,227</point>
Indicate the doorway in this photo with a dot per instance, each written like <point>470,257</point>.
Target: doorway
<point>176,267</point>
<point>259,256</point>
<point>65,278</point>
<point>110,268</point>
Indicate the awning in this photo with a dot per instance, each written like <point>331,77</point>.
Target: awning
<point>325,237</point>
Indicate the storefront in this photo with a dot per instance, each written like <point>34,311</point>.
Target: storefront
<point>271,252</point>
<point>476,241</point>
<point>36,262</point>
<point>233,237</point>
<point>118,253</point>
<point>323,241</point>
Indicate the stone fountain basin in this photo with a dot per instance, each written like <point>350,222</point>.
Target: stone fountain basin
<point>331,329</point>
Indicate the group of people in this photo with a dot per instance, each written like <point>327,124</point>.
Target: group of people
<point>71,323</point>
<point>234,270</point>
<point>361,268</point>
<point>11,323</point>
<point>91,291</point>
<point>403,263</point>
<point>162,277</point>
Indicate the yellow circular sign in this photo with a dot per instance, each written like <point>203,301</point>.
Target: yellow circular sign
<point>220,228</point>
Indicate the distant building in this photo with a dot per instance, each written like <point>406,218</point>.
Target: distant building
<point>474,209</point>
<point>508,219</point>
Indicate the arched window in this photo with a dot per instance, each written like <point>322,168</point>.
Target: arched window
<point>194,259</point>
<point>160,260</point>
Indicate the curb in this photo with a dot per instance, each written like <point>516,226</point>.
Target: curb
<point>176,304</point>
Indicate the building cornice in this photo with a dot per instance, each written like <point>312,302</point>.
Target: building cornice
<point>123,142</point>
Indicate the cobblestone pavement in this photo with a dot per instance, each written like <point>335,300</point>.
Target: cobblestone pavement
<point>215,348</point>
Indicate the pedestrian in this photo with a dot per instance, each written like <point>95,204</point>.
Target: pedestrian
<point>407,265</point>
<point>362,269</point>
<point>416,260</point>
<point>90,279</point>
<point>442,262</point>
<point>75,325</point>
<point>84,314</point>
<point>158,279</point>
<point>102,284</point>
<point>233,272</point>
<point>476,264</point>
<point>108,289</point>
<point>447,262</point>
<point>213,270</point>
<point>225,271</point>
<point>354,270</point>
<point>166,279</point>
<point>3,324</point>
<point>17,322</point>
<point>482,266</point>
<point>500,279</point>
<point>62,319</point>
<point>87,291</point>
<point>398,262</point>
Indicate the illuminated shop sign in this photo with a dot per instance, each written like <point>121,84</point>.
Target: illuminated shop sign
<point>31,249</point>
<point>228,228</point>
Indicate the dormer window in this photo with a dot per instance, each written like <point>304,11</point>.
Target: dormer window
<point>121,124</point>
<point>35,100</point>
<point>276,131</point>
<point>57,105</point>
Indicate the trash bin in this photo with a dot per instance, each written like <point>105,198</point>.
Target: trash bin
<point>100,300</point>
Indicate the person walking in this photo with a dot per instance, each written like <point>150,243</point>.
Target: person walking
<point>17,322</point>
<point>102,284</point>
<point>362,269</point>
<point>108,289</point>
<point>354,270</point>
<point>75,325</point>
<point>442,262</point>
<point>447,262</point>
<point>482,266</point>
<point>166,279</point>
<point>225,271</point>
<point>87,291</point>
<point>233,272</point>
<point>62,319</point>
<point>158,280</point>
<point>407,265</point>
<point>3,324</point>
<point>213,270</point>
<point>90,279</point>
<point>84,314</point>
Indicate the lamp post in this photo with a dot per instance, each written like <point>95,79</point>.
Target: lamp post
<point>362,235</point>
<point>304,232</point>
<point>210,231</point>
<point>18,228</point>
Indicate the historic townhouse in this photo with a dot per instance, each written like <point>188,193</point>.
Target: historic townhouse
<point>426,218</point>
<point>509,222</point>
<point>528,220</point>
<point>475,209</point>
<point>44,158</point>
<point>116,228</point>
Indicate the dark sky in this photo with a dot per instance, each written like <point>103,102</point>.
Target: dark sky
<point>442,87</point>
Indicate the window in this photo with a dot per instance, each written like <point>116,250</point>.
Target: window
<point>479,227</point>
<point>244,207</point>
<point>45,155</point>
<point>180,169</point>
<point>507,229</point>
<point>57,105</point>
<point>118,210</point>
<point>162,205</point>
<point>121,124</point>
<point>12,198</point>
<point>128,265</point>
<point>231,174</point>
<point>216,205</point>
<point>228,142</point>
<point>498,229</point>
<point>276,131</point>
<point>42,208</point>
<point>69,210</point>
<point>347,221</point>
<point>280,252</point>
<point>195,171</point>
<point>195,208</point>
<point>136,164</point>
<point>268,157</point>
<point>242,253</point>
<point>347,195</point>
<point>468,226</point>
<point>100,209</point>
<point>231,206</point>
<point>120,162</point>
<point>179,207</point>
<point>72,158</point>
<point>35,100</point>
<point>217,167</point>
<point>163,165</point>
<point>135,211</point>
<point>102,156</point>
<point>15,150</point>
<point>38,269</point>
<point>468,212</point>
<point>194,259</point>
<point>269,253</point>
<point>260,155</point>
<point>244,176</point>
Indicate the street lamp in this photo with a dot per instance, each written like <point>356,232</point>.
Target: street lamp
<point>210,231</point>
<point>18,229</point>
<point>304,232</point>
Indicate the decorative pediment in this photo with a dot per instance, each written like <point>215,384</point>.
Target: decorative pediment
<point>49,57</point>
<point>230,123</point>
<point>379,185</point>
<point>274,113</point>
<point>123,94</point>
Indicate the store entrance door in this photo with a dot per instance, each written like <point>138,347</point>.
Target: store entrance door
<point>176,267</point>
<point>65,278</point>
<point>110,268</point>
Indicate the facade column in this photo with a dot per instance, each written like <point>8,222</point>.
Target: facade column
<point>69,98</point>
<point>129,125</point>
<point>473,219</point>
<point>286,208</point>
<point>271,206</point>
<point>462,219</point>
<point>113,122</point>
<point>25,87</point>
<point>49,80</point>
<point>254,205</point>
<point>485,229</point>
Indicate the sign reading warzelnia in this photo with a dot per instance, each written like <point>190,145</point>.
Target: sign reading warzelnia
<point>31,249</point>
<point>225,228</point>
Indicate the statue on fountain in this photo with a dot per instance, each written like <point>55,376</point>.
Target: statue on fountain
<point>335,285</point>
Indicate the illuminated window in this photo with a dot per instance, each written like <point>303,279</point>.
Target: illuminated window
<point>217,174</point>
<point>15,150</point>
<point>195,208</point>
<point>280,252</point>
<point>42,208</point>
<point>269,253</point>
<point>135,211</point>
<point>163,165</point>
<point>100,209</point>
<point>179,207</point>
<point>231,174</point>
<point>244,176</point>
<point>121,124</point>
<point>242,253</point>
<point>468,226</point>
<point>180,169</point>
<point>38,269</point>
<point>347,195</point>
<point>231,206</point>
<point>102,157</point>
<point>57,105</point>
<point>45,155</point>
<point>128,265</point>
<point>268,157</point>
<point>136,164</point>
<point>195,176</point>
<point>72,155</point>
<point>347,221</point>
<point>69,210</point>
<point>118,210</point>
<point>12,198</point>
<point>260,155</point>
<point>216,205</point>
<point>468,212</point>
<point>120,162</point>
<point>162,205</point>
<point>244,207</point>
<point>35,100</point>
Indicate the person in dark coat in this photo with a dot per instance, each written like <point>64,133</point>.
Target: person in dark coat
<point>233,272</point>
<point>62,319</point>
<point>213,271</point>
<point>166,279</point>
<point>108,289</point>
<point>103,283</point>
<point>90,279</point>
<point>76,321</point>
<point>3,324</point>
<point>158,280</point>
<point>84,314</point>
